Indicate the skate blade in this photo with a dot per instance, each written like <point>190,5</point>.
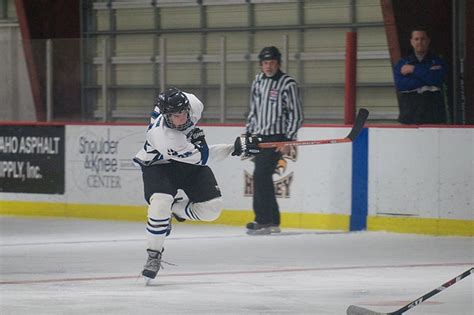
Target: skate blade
<point>275,230</point>
<point>259,232</point>
<point>265,231</point>
<point>147,281</point>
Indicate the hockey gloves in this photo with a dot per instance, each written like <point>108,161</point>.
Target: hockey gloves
<point>246,145</point>
<point>198,139</point>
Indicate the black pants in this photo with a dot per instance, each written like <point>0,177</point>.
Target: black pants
<point>265,204</point>
<point>425,108</point>
<point>198,182</point>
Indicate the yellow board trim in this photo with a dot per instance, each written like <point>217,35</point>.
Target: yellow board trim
<point>241,217</point>
<point>421,225</point>
<point>290,220</point>
<point>54,209</point>
<point>138,213</point>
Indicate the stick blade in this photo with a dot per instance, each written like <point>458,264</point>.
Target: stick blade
<point>357,310</point>
<point>361,118</point>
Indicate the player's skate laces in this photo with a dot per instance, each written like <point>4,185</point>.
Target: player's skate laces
<point>154,263</point>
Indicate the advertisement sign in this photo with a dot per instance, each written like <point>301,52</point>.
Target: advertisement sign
<point>100,164</point>
<point>32,159</point>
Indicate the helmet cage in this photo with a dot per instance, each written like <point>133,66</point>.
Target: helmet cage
<point>182,127</point>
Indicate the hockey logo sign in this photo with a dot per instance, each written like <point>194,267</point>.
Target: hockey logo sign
<point>283,180</point>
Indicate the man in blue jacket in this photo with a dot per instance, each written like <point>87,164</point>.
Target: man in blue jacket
<point>419,79</point>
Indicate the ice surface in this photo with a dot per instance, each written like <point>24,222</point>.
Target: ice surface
<point>68,266</point>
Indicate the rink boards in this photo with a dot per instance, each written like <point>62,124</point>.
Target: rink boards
<point>410,180</point>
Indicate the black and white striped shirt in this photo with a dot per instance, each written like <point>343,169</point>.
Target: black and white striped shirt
<point>275,106</point>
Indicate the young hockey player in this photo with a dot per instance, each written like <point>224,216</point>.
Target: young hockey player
<point>175,156</point>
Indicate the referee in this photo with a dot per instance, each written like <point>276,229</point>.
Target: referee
<point>275,115</point>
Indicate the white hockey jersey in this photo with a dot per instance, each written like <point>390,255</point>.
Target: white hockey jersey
<point>164,143</point>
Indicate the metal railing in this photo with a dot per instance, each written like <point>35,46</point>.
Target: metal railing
<point>108,112</point>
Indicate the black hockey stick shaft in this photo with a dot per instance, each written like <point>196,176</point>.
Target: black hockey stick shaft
<point>435,291</point>
<point>357,310</point>
<point>359,123</point>
<point>353,134</point>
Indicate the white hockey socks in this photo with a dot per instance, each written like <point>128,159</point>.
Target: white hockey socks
<point>159,219</point>
<point>198,211</point>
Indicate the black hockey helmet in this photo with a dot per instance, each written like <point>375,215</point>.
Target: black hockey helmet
<point>269,53</point>
<point>172,100</point>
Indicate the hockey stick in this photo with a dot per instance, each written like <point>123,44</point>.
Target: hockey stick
<point>355,131</point>
<point>357,310</point>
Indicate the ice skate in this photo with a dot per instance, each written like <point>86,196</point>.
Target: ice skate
<point>255,228</point>
<point>152,266</point>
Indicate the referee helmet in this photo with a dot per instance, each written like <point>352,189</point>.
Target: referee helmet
<point>270,53</point>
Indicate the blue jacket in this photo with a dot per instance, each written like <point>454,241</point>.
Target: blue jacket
<point>429,72</point>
